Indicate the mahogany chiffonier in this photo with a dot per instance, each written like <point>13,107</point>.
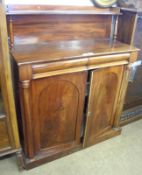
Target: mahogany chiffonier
<point>70,75</point>
<point>9,137</point>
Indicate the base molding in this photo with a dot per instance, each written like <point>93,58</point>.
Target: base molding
<point>44,158</point>
<point>8,151</point>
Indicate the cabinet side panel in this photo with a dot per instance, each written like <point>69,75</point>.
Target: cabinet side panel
<point>126,27</point>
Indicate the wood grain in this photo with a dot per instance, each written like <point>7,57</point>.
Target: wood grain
<point>55,112</point>
<point>6,85</point>
<point>55,53</point>
<point>127,27</point>
<point>11,9</point>
<point>4,138</point>
<point>27,118</point>
<point>68,50</point>
<point>43,28</point>
<point>105,84</point>
<point>121,97</point>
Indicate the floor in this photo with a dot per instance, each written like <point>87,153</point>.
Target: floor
<point>121,155</point>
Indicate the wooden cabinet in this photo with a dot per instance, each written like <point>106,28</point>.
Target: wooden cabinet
<point>70,76</point>
<point>9,137</point>
<point>70,104</point>
<point>104,91</point>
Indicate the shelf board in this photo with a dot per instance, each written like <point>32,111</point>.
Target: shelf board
<point>59,10</point>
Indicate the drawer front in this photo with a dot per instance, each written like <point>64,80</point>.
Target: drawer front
<point>77,65</point>
<point>4,139</point>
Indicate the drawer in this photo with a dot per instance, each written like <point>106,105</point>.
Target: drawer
<point>76,65</point>
<point>4,139</point>
<point>48,67</point>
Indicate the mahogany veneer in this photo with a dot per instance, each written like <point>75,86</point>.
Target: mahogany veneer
<point>52,94</point>
<point>71,76</point>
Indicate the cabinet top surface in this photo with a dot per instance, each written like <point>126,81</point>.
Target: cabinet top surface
<point>59,9</point>
<point>65,50</point>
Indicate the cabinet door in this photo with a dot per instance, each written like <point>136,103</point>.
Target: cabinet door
<point>57,106</point>
<point>104,89</point>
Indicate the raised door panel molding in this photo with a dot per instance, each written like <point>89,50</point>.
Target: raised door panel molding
<point>104,90</point>
<point>58,115</point>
